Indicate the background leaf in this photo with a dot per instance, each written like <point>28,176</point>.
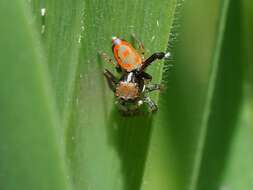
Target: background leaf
<point>176,161</point>
<point>30,146</point>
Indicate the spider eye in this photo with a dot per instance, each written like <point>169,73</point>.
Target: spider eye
<point>121,99</point>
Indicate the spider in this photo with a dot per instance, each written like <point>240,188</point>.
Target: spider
<point>132,88</point>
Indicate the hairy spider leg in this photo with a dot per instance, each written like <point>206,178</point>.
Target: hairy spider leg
<point>151,104</point>
<point>152,58</point>
<point>153,87</point>
<point>145,76</point>
<point>109,60</point>
<point>111,80</point>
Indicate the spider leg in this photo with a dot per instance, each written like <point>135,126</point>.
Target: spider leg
<point>147,62</point>
<point>152,58</point>
<point>146,76</point>
<point>151,104</point>
<point>140,45</point>
<point>153,87</point>
<point>109,60</point>
<point>111,80</point>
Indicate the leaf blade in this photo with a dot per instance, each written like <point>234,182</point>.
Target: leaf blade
<point>94,117</point>
<point>28,114</point>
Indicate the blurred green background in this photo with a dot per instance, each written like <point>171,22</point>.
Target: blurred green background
<point>60,129</point>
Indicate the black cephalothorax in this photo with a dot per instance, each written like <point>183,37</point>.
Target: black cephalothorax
<point>131,90</point>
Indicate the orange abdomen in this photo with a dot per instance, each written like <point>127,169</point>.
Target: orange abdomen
<point>126,56</point>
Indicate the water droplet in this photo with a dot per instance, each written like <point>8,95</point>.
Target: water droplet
<point>43,13</point>
<point>79,39</point>
<point>157,23</point>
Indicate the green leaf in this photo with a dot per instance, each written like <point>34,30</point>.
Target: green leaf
<point>230,123</point>
<point>74,34</point>
<point>62,30</point>
<point>204,127</point>
<point>212,98</point>
<point>30,146</point>
<point>107,150</point>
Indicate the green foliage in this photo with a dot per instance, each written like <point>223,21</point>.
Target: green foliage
<point>60,128</point>
<point>31,149</point>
